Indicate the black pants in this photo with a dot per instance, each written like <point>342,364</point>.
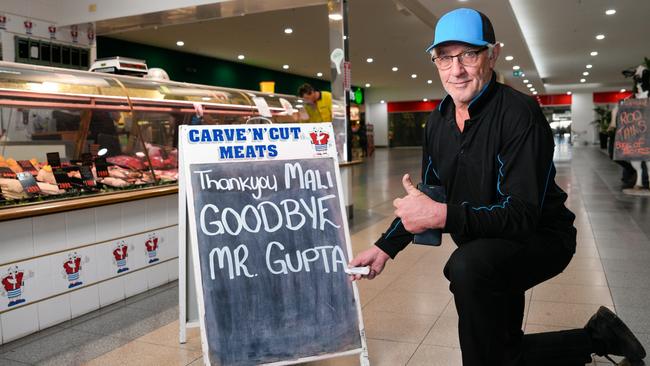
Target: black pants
<point>488,279</point>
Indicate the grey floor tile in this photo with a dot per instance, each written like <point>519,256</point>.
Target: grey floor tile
<point>153,292</point>
<point>624,253</point>
<point>6,362</point>
<point>30,338</point>
<point>626,265</point>
<point>128,323</point>
<point>637,319</point>
<point>158,302</point>
<point>635,280</point>
<point>632,297</point>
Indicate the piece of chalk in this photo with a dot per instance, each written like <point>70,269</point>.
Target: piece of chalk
<point>364,271</point>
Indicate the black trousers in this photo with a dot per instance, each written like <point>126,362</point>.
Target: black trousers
<point>488,279</point>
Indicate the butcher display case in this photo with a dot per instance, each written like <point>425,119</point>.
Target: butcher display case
<point>72,139</point>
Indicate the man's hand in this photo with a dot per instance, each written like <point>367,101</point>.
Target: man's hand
<point>417,211</point>
<point>373,257</point>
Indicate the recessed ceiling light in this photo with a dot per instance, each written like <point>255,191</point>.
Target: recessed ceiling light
<point>288,30</point>
<point>369,60</point>
<point>516,67</point>
<point>525,81</point>
<point>241,57</point>
<point>586,73</point>
<point>285,67</point>
<point>589,66</point>
<point>594,53</point>
<point>367,85</point>
<point>345,37</point>
<point>335,16</point>
<point>509,58</point>
<point>623,90</point>
<point>600,36</point>
<point>610,11</point>
<point>502,44</point>
<point>394,68</point>
<point>180,43</point>
<point>319,74</point>
<point>522,75</point>
<point>529,85</point>
<point>568,93</point>
<point>424,99</point>
<point>534,93</point>
<point>429,81</point>
<point>382,101</point>
<point>413,76</point>
<point>583,80</point>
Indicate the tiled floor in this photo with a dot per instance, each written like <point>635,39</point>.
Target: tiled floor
<point>408,311</point>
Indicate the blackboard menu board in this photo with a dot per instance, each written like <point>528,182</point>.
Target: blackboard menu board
<point>632,134</point>
<point>272,251</point>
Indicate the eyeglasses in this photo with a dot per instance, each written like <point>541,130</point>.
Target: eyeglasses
<point>466,58</point>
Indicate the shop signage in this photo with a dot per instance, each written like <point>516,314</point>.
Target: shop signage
<point>271,245</point>
<point>517,73</point>
<point>632,135</point>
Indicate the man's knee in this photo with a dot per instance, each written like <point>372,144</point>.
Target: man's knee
<point>470,267</point>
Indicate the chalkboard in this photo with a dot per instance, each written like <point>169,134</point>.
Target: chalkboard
<point>632,135</point>
<point>272,251</point>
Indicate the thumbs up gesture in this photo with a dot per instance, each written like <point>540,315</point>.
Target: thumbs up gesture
<point>417,211</point>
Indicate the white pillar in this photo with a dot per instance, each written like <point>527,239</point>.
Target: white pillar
<point>582,114</point>
<point>377,115</point>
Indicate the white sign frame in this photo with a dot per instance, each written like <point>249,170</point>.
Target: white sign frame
<point>198,153</point>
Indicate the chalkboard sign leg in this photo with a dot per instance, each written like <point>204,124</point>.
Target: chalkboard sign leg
<point>363,357</point>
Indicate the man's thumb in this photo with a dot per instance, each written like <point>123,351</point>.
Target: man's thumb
<point>408,185</point>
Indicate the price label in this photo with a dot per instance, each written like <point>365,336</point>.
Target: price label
<point>62,179</point>
<point>27,167</point>
<point>54,160</point>
<point>7,173</point>
<point>101,167</point>
<point>87,176</point>
<point>29,183</point>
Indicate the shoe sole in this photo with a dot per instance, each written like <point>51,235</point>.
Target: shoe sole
<point>636,352</point>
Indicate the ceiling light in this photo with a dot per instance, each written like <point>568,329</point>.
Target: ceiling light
<point>206,98</point>
<point>586,73</point>
<point>367,85</point>
<point>589,66</point>
<point>425,99</point>
<point>610,12</point>
<point>583,80</point>
<point>241,57</point>
<point>180,43</point>
<point>394,68</point>
<point>502,44</point>
<point>345,37</point>
<point>335,16</point>
<point>516,67</point>
<point>429,81</point>
<point>623,90</point>
<point>413,76</point>
<point>509,58</point>
<point>382,101</point>
<point>288,30</point>
<point>319,74</point>
<point>525,81</point>
<point>534,93</point>
<point>600,36</point>
<point>594,53</point>
<point>286,67</point>
<point>369,60</point>
<point>529,85</point>
<point>522,74</point>
<point>568,93</point>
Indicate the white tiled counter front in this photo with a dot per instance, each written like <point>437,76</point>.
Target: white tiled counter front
<point>59,266</point>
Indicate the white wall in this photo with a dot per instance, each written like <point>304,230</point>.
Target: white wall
<point>377,114</point>
<point>582,113</point>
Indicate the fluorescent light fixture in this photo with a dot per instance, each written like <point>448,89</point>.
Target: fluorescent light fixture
<point>369,60</point>
<point>429,81</point>
<point>288,30</point>
<point>610,11</point>
<point>180,43</point>
<point>586,73</point>
<point>583,80</point>
<point>594,53</point>
<point>394,68</point>
<point>529,85</point>
<point>516,67</point>
<point>335,16</point>
<point>509,58</point>
<point>241,57</point>
<point>319,74</point>
<point>568,93</point>
<point>525,81</point>
<point>589,66</point>
<point>534,93</point>
<point>413,76</point>
<point>502,44</point>
<point>522,75</point>
<point>367,85</point>
<point>206,98</point>
<point>345,37</point>
<point>286,67</point>
<point>382,101</point>
<point>623,90</point>
<point>600,36</point>
<point>425,99</point>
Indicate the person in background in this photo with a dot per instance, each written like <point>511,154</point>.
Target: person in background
<point>491,149</point>
<point>318,104</point>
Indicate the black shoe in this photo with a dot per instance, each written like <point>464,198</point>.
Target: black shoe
<point>612,337</point>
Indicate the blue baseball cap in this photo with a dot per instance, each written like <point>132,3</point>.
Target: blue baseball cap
<point>463,25</point>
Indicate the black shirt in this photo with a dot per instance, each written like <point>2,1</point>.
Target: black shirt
<point>498,173</point>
